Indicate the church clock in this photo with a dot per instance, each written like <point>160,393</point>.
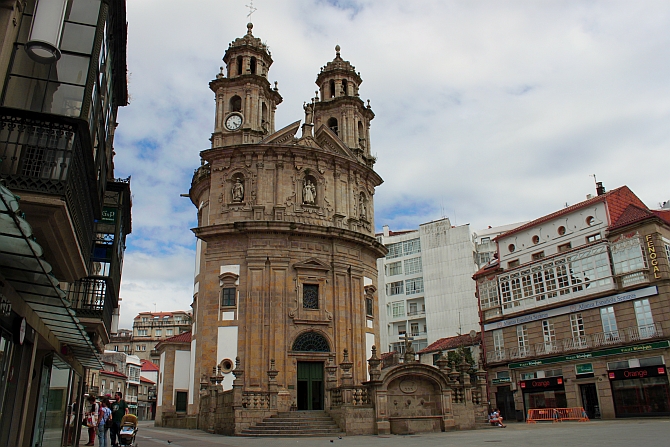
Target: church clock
<point>233,122</point>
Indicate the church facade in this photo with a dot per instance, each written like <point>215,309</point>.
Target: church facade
<point>286,252</point>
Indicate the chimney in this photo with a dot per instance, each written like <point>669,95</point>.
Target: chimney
<point>600,189</point>
<point>385,229</point>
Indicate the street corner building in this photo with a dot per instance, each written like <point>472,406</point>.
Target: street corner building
<point>286,261</point>
<point>64,216</point>
<point>575,312</point>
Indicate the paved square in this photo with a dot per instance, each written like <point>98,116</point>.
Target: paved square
<point>611,433</point>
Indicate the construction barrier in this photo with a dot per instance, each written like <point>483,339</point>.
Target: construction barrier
<point>556,415</point>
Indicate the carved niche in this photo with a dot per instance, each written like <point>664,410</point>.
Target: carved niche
<point>310,293</point>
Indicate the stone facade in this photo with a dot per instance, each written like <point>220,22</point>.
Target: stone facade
<point>286,253</point>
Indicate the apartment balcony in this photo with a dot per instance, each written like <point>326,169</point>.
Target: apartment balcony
<point>161,323</point>
<point>131,399</point>
<point>416,313</point>
<point>629,335</point>
<point>45,163</point>
<point>93,300</point>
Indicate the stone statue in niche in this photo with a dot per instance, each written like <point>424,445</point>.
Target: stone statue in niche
<point>309,112</point>
<point>238,191</point>
<point>309,193</point>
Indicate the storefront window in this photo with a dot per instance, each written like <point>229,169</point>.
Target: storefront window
<point>545,399</point>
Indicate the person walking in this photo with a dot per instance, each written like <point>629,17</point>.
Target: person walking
<point>92,419</point>
<point>103,426</point>
<point>119,409</point>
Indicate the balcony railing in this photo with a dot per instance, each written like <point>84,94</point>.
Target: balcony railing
<point>48,158</point>
<point>414,313</point>
<point>633,334</point>
<point>92,298</point>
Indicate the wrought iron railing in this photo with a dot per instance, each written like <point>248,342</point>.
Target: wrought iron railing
<point>632,334</point>
<point>93,298</point>
<point>48,158</point>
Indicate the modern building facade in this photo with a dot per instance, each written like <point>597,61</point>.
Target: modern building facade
<point>575,310</point>
<point>425,282</point>
<point>65,216</point>
<point>286,253</point>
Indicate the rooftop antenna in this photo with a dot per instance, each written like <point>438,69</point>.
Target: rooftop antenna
<point>154,307</point>
<point>251,9</point>
<point>595,180</point>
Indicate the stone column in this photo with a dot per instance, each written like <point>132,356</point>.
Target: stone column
<point>272,384</point>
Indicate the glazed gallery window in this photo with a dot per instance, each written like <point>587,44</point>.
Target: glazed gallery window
<point>228,296</point>
<point>413,286</point>
<point>398,309</point>
<point>394,288</point>
<point>413,266</point>
<point>412,246</point>
<point>394,268</point>
<point>488,294</point>
<point>627,255</point>
<point>395,250</point>
<point>310,296</point>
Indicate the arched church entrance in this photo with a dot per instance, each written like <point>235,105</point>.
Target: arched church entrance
<point>310,373</point>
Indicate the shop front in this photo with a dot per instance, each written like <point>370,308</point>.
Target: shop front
<point>640,391</point>
<point>543,393</point>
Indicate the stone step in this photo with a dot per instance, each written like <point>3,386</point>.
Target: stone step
<point>291,433</point>
<point>295,423</point>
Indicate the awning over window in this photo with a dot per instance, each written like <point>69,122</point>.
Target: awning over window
<point>22,266</point>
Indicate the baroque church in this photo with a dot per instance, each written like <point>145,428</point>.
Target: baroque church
<point>286,262</point>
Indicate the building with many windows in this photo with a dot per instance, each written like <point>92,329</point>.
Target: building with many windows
<point>575,310</point>
<point>426,282</point>
<point>64,215</point>
<point>149,328</point>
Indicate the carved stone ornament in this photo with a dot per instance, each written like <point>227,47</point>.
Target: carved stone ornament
<point>408,386</point>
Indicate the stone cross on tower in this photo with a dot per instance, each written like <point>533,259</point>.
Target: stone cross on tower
<point>251,9</point>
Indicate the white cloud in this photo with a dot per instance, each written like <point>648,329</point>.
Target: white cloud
<point>488,112</point>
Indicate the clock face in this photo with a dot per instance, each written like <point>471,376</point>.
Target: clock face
<point>233,122</point>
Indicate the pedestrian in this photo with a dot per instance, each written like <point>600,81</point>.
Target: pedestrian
<point>497,419</point>
<point>92,418</point>
<point>104,422</point>
<point>119,409</point>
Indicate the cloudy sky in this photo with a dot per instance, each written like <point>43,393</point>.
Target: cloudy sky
<point>487,112</point>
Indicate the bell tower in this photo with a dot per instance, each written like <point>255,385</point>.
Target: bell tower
<point>340,108</point>
<point>245,100</point>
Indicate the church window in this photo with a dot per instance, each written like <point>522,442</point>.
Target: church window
<point>264,115</point>
<point>252,65</point>
<point>228,296</point>
<point>332,88</point>
<point>235,104</point>
<point>310,296</point>
<point>239,65</point>
<point>311,342</point>
<point>369,308</point>
<point>332,123</point>
<point>345,86</point>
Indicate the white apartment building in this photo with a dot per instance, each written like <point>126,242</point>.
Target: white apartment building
<point>425,282</point>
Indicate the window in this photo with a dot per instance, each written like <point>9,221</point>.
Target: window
<point>228,296</point>
<point>414,329</point>
<point>137,347</point>
<point>522,340</point>
<point>181,401</point>
<point>159,332</point>
<point>578,332</point>
<point>145,319</point>
<point>512,264</point>
<point>332,124</point>
<point>413,266</point>
<point>609,323</point>
<point>536,239</point>
<point>169,332</point>
<point>395,250</point>
<point>511,248</point>
<point>561,230</point>
<point>498,344</point>
<point>627,255</point>
<point>488,294</point>
<point>103,382</point>
<point>564,247</point>
<point>413,286</point>
<point>140,333</point>
<point>538,256</point>
<point>645,321</point>
<point>394,268</point>
<point>369,308</point>
<point>484,258</point>
<point>593,238</point>
<point>394,288</point>
<point>485,240</point>
<point>310,296</point>
<point>549,336</point>
<point>402,329</point>
<point>398,309</point>
<point>412,246</point>
<point>235,104</point>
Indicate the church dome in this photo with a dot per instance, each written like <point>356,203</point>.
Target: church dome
<point>340,72</point>
<point>247,55</point>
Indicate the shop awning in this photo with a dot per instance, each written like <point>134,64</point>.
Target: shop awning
<point>22,266</point>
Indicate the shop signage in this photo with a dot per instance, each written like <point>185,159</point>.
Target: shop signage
<point>109,215</point>
<point>589,355</point>
<point>637,373</point>
<point>542,384</point>
<point>653,258</point>
<point>501,380</point>
<point>584,368</point>
<point>580,307</point>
